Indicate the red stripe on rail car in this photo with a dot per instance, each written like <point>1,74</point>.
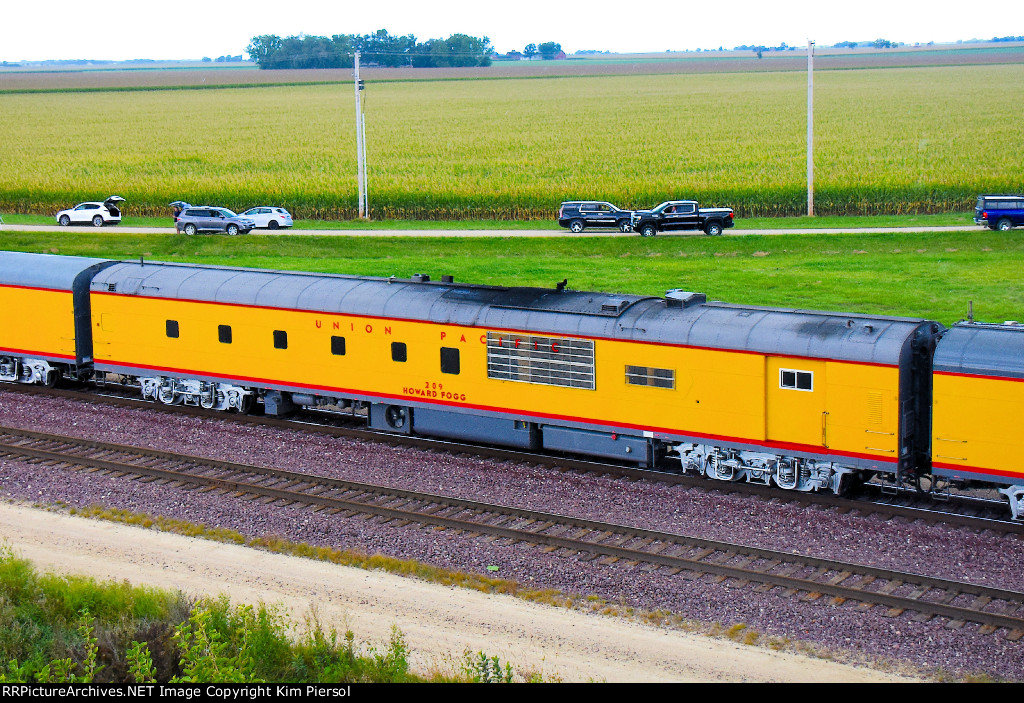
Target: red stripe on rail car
<point>987,377</point>
<point>786,446</point>
<point>32,352</point>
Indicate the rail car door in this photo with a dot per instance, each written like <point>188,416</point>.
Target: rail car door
<point>795,404</point>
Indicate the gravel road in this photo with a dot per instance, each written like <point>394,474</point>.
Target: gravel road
<point>497,233</point>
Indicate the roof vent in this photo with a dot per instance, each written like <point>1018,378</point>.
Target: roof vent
<point>447,278</point>
<point>614,305</point>
<point>679,298</point>
<point>420,277</point>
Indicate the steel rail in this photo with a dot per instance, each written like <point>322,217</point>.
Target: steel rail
<point>923,584</point>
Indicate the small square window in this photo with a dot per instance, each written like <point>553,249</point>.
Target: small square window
<point>338,346</point>
<point>398,351</point>
<point>172,329</point>
<point>796,380</point>
<point>224,334</point>
<point>280,339</point>
<point>450,360</point>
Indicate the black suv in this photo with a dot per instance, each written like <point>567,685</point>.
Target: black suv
<point>577,215</point>
<point>999,211</point>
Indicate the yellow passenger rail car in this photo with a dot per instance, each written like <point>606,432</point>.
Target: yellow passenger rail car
<point>800,399</point>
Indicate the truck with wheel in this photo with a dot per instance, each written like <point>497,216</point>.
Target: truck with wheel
<point>676,215</point>
<point>1002,212</point>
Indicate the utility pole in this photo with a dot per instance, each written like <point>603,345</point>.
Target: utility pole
<point>810,128</point>
<point>364,208</point>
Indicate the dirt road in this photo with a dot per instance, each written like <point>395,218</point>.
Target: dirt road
<point>497,233</point>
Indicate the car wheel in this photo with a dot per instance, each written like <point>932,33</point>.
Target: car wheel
<point>1005,225</point>
<point>232,230</point>
<point>190,229</point>
<point>625,226</point>
<point>64,221</point>
<point>713,229</point>
<point>97,221</point>
<point>576,226</point>
<point>648,231</point>
<point>273,224</point>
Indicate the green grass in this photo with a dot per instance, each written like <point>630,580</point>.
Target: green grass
<point>897,140</point>
<point>932,275</point>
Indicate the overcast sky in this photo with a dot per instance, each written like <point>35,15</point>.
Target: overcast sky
<point>191,29</point>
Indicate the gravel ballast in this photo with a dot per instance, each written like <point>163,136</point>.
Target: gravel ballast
<point>984,558</point>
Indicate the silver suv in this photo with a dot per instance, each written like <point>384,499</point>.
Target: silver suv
<point>212,219</point>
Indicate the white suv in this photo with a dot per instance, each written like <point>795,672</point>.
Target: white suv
<point>97,214</point>
<point>269,217</point>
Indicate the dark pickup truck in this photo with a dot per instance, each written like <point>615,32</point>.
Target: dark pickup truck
<point>679,215</point>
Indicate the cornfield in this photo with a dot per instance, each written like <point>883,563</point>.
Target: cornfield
<point>892,140</point>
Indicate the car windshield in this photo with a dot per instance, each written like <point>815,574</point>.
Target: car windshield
<point>227,213</point>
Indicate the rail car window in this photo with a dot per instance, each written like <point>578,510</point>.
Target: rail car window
<point>224,334</point>
<point>450,360</point>
<point>398,351</point>
<point>172,329</point>
<point>280,339</point>
<point>650,376</point>
<point>338,346</point>
<point>550,361</point>
<point>796,380</point>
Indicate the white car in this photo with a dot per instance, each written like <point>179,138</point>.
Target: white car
<point>97,214</point>
<point>269,217</point>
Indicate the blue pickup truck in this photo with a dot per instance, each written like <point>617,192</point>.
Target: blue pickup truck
<point>1003,212</point>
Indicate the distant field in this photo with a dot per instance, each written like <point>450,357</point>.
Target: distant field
<point>205,75</point>
<point>894,140</point>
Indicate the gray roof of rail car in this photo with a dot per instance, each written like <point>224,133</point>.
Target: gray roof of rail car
<point>717,325</point>
<point>43,270</point>
<point>980,349</point>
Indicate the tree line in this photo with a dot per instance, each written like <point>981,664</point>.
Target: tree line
<point>270,51</point>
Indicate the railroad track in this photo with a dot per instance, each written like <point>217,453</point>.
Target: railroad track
<point>958,510</point>
<point>810,578</point>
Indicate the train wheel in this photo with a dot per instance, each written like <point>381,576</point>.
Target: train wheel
<point>52,378</point>
<point>166,394</point>
<point>248,403</point>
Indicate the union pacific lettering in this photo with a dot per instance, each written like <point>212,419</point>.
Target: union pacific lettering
<point>517,343</point>
<point>350,326</point>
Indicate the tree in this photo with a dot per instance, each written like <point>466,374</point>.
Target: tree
<point>380,48</point>
<point>261,48</point>
<point>548,50</point>
<point>469,51</point>
<point>385,50</point>
<point>530,51</point>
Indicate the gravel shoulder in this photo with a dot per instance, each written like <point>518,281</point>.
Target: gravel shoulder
<point>439,622</point>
